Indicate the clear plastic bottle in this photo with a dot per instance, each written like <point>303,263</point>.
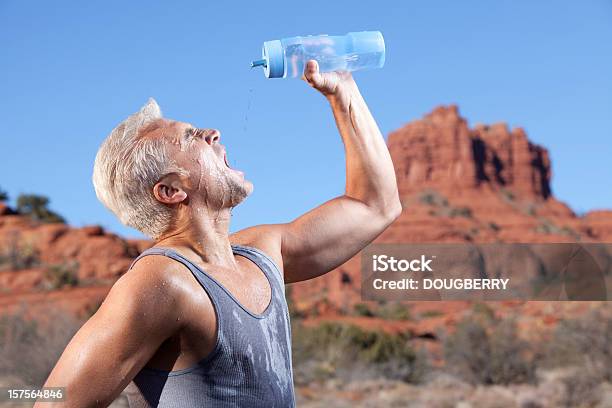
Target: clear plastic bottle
<point>286,58</point>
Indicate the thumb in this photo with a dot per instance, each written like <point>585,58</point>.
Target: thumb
<point>311,72</point>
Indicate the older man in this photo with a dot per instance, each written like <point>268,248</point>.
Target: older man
<point>200,319</point>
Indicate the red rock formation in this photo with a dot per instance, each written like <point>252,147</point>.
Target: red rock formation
<point>36,259</point>
<point>486,184</point>
<point>441,152</point>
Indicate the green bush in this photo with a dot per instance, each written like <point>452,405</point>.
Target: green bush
<point>35,206</point>
<point>494,226</point>
<point>486,351</point>
<point>441,205</point>
<point>585,343</point>
<point>427,314</point>
<point>342,348</point>
<point>29,348</point>
<point>394,311</point>
<point>361,309</point>
<point>60,275</point>
<point>507,195</point>
<point>388,311</point>
<point>433,198</point>
<point>460,212</point>
<point>18,255</point>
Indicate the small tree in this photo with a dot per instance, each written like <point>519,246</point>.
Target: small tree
<point>36,207</point>
<point>3,195</point>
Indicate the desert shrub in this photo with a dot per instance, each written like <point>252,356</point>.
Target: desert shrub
<point>581,389</point>
<point>388,311</point>
<point>35,206</point>
<point>585,343</point>
<point>441,205</point>
<point>16,254</point>
<point>507,195</point>
<point>394,311</point>
<point>427,314</point>
<point>60,275</point>
<point>460,212</point>
<point>547,227</point>
<point>29,348</point>
<point>530,209</point>
<point>433,198</point>
<point>483,310</point>
<point>335,349</point>
<point>488,351</point>
<point>361,309</point>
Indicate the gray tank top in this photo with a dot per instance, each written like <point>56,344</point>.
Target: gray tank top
<point>250,365</point>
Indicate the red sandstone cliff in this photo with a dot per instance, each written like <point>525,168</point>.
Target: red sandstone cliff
<point>457,184</point>
<point>461,184</point>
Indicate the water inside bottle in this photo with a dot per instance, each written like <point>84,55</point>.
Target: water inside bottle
<point>330,55</point>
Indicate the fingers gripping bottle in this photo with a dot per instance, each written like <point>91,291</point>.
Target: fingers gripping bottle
<point>287,57</point>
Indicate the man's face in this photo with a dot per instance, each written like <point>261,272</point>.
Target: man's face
<point>210,181</point>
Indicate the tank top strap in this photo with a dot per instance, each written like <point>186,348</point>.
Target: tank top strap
<point>150,251</point>
<point>218,293</point>
<point>264,262</point>
<point>205,280</point>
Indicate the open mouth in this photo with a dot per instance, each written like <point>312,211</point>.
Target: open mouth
<point>229,167</point>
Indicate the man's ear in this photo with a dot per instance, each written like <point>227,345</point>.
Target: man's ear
<point>169,190</point>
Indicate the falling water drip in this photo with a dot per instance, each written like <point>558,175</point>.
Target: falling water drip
<point>248,109</point>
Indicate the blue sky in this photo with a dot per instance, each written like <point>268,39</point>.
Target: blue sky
<point>70,71</point>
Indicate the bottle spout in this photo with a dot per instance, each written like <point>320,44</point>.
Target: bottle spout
<point>259,63</point>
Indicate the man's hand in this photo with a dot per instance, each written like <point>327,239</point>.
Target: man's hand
<point>330,84</point>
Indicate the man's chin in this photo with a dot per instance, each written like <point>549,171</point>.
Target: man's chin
<point>243,190</point>
<point>247,188</point>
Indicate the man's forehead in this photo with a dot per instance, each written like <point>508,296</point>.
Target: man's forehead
<point>165,127</point>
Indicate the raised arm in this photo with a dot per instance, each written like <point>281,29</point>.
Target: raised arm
<point>138,314</point>
<point>332,233</point>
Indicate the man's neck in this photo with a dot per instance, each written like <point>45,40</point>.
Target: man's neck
<point>205,234</point>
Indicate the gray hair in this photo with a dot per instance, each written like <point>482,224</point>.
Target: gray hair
<point>126,169</point>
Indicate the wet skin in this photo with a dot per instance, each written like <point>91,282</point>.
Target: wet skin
<point>156,314</point>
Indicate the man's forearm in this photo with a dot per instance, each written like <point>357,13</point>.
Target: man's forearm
<point>370,176</point>
<point>335,231</point>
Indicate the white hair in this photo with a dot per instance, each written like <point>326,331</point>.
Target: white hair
<point>126,169</point>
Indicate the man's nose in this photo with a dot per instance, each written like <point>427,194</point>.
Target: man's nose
<point>212,136</point>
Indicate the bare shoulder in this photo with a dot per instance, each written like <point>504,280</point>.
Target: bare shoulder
<point>151,273</point>
<point>152,287</point>
<point>265,237</point>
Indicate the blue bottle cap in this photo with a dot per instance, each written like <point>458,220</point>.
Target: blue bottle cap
<point>272,52</point>
<point>369,42</point>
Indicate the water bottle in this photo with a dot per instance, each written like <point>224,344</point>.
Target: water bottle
<point>287,57</point>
